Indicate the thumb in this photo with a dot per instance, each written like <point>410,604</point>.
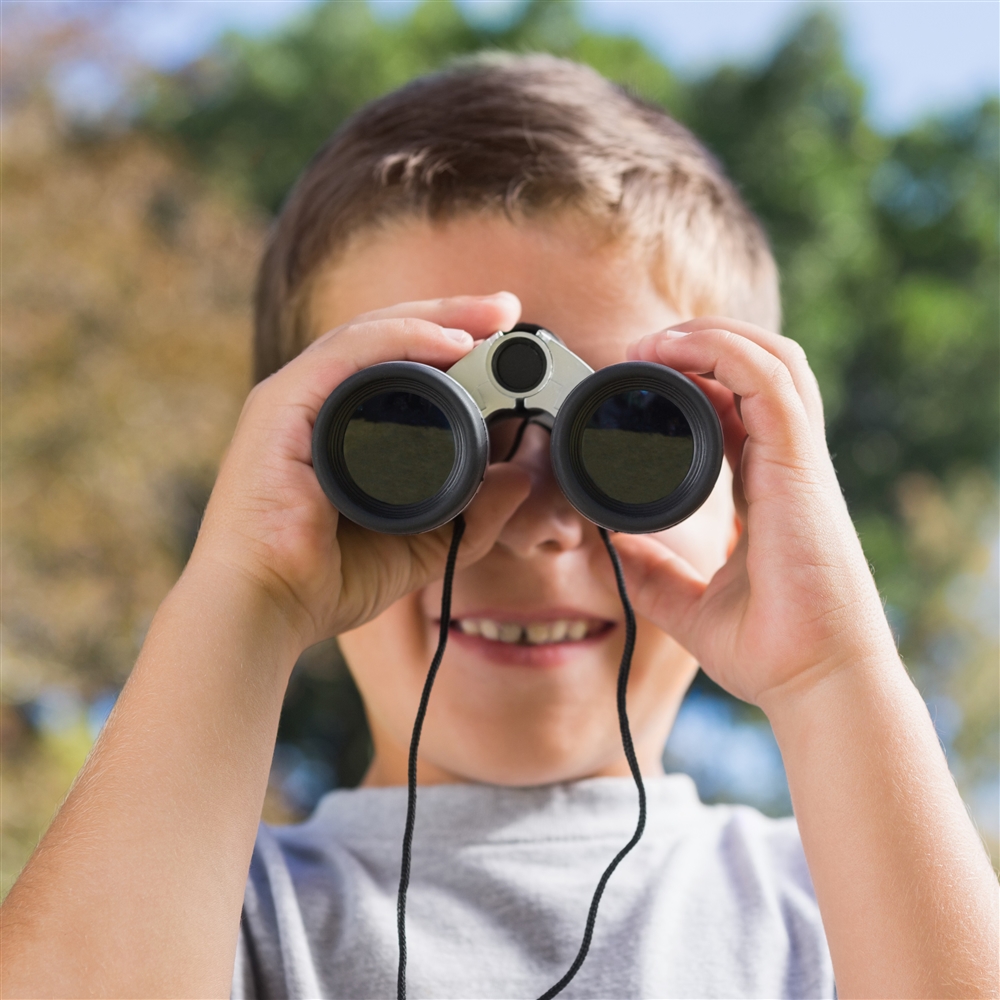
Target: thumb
<point>503,490</point>
<point>505,487</point>
<point>662,586</point>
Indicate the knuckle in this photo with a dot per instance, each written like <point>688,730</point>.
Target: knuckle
<point>326,336</point>
<point>412,328</point>
<point>782,377</point>
<point>734,343</point>
<point>257,392</point>
<point>388,329</point>
<point>796,352</point>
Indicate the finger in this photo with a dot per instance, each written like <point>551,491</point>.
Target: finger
<point>479,315</point>
<point>308,379</point>
<point>788,351</point>
<point>663,587</point>
<point>734,434</point>
<point>504,489</point>
<point>771,408</point>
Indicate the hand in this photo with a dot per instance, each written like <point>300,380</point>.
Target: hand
<point>268,518</point>
<point>796,599</point>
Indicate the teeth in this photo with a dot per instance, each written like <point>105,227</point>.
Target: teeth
<point>510,633</point>
<point>538,632</point>
<point>557,630</point>
<point>535,634</point>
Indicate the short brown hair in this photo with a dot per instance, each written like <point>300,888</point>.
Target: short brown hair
<point>521,135</point>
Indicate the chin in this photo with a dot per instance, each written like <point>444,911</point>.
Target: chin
<point>522,762</point>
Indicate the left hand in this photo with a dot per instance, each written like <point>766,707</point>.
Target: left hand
<point>796,599</point>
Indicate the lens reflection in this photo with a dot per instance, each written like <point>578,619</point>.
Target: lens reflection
<point>637,447</point>
<point>398,448</point>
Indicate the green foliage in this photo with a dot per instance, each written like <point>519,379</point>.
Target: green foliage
<point>926,373</point>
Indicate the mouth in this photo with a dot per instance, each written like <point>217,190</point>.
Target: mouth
<point>534,633</point>
<point>529,642</point>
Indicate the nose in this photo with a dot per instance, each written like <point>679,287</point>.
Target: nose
<point>546,522</point>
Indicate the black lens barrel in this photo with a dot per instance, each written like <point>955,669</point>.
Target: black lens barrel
<point>637,447</point>
<point>377,433</point>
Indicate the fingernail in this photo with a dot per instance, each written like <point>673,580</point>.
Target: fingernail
<point>673,334</point>
<point>459,336</point>
<point>510,296</point>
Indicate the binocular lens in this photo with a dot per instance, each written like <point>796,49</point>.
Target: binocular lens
<point>399,448</point>
<point>637,447</point>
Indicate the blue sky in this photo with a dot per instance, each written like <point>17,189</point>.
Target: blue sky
<point>915,56</point>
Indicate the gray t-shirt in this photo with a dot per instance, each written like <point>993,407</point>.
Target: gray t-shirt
<point>713,902</point>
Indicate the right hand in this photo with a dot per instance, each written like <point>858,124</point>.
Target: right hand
<point>795,602</point>
<point>269,520</point>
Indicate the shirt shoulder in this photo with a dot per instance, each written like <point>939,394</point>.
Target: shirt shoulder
<point>754,869</point>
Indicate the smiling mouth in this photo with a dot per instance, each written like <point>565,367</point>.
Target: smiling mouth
<point>562,630</point>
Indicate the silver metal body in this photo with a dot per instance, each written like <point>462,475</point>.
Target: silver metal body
<point>563,371</point>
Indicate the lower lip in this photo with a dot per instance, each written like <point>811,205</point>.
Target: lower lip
<point>514,654</point>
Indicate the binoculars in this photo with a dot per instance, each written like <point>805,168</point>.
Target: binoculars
<point>402,447</point>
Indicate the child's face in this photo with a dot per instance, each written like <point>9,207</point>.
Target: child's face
<point>521,713</point>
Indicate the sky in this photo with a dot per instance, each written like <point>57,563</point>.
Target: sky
<point>916,57</point>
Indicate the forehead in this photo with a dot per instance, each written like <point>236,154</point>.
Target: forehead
<point>596,295</point>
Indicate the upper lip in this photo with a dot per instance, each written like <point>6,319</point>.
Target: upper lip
<point>504,615</point>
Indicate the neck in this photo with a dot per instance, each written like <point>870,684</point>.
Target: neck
<point>389,767</point>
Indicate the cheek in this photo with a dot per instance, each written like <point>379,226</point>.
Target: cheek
<point>388,657</point>
<point>660,665</point>
<point>704,538</point>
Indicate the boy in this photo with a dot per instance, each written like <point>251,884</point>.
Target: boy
<point>610,224</point>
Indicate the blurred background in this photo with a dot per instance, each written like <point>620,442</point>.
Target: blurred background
<point>145,147</point>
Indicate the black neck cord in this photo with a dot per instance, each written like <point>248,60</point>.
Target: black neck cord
<point>411,783</point>
<point>623,672</point>
<point>458,529</point>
